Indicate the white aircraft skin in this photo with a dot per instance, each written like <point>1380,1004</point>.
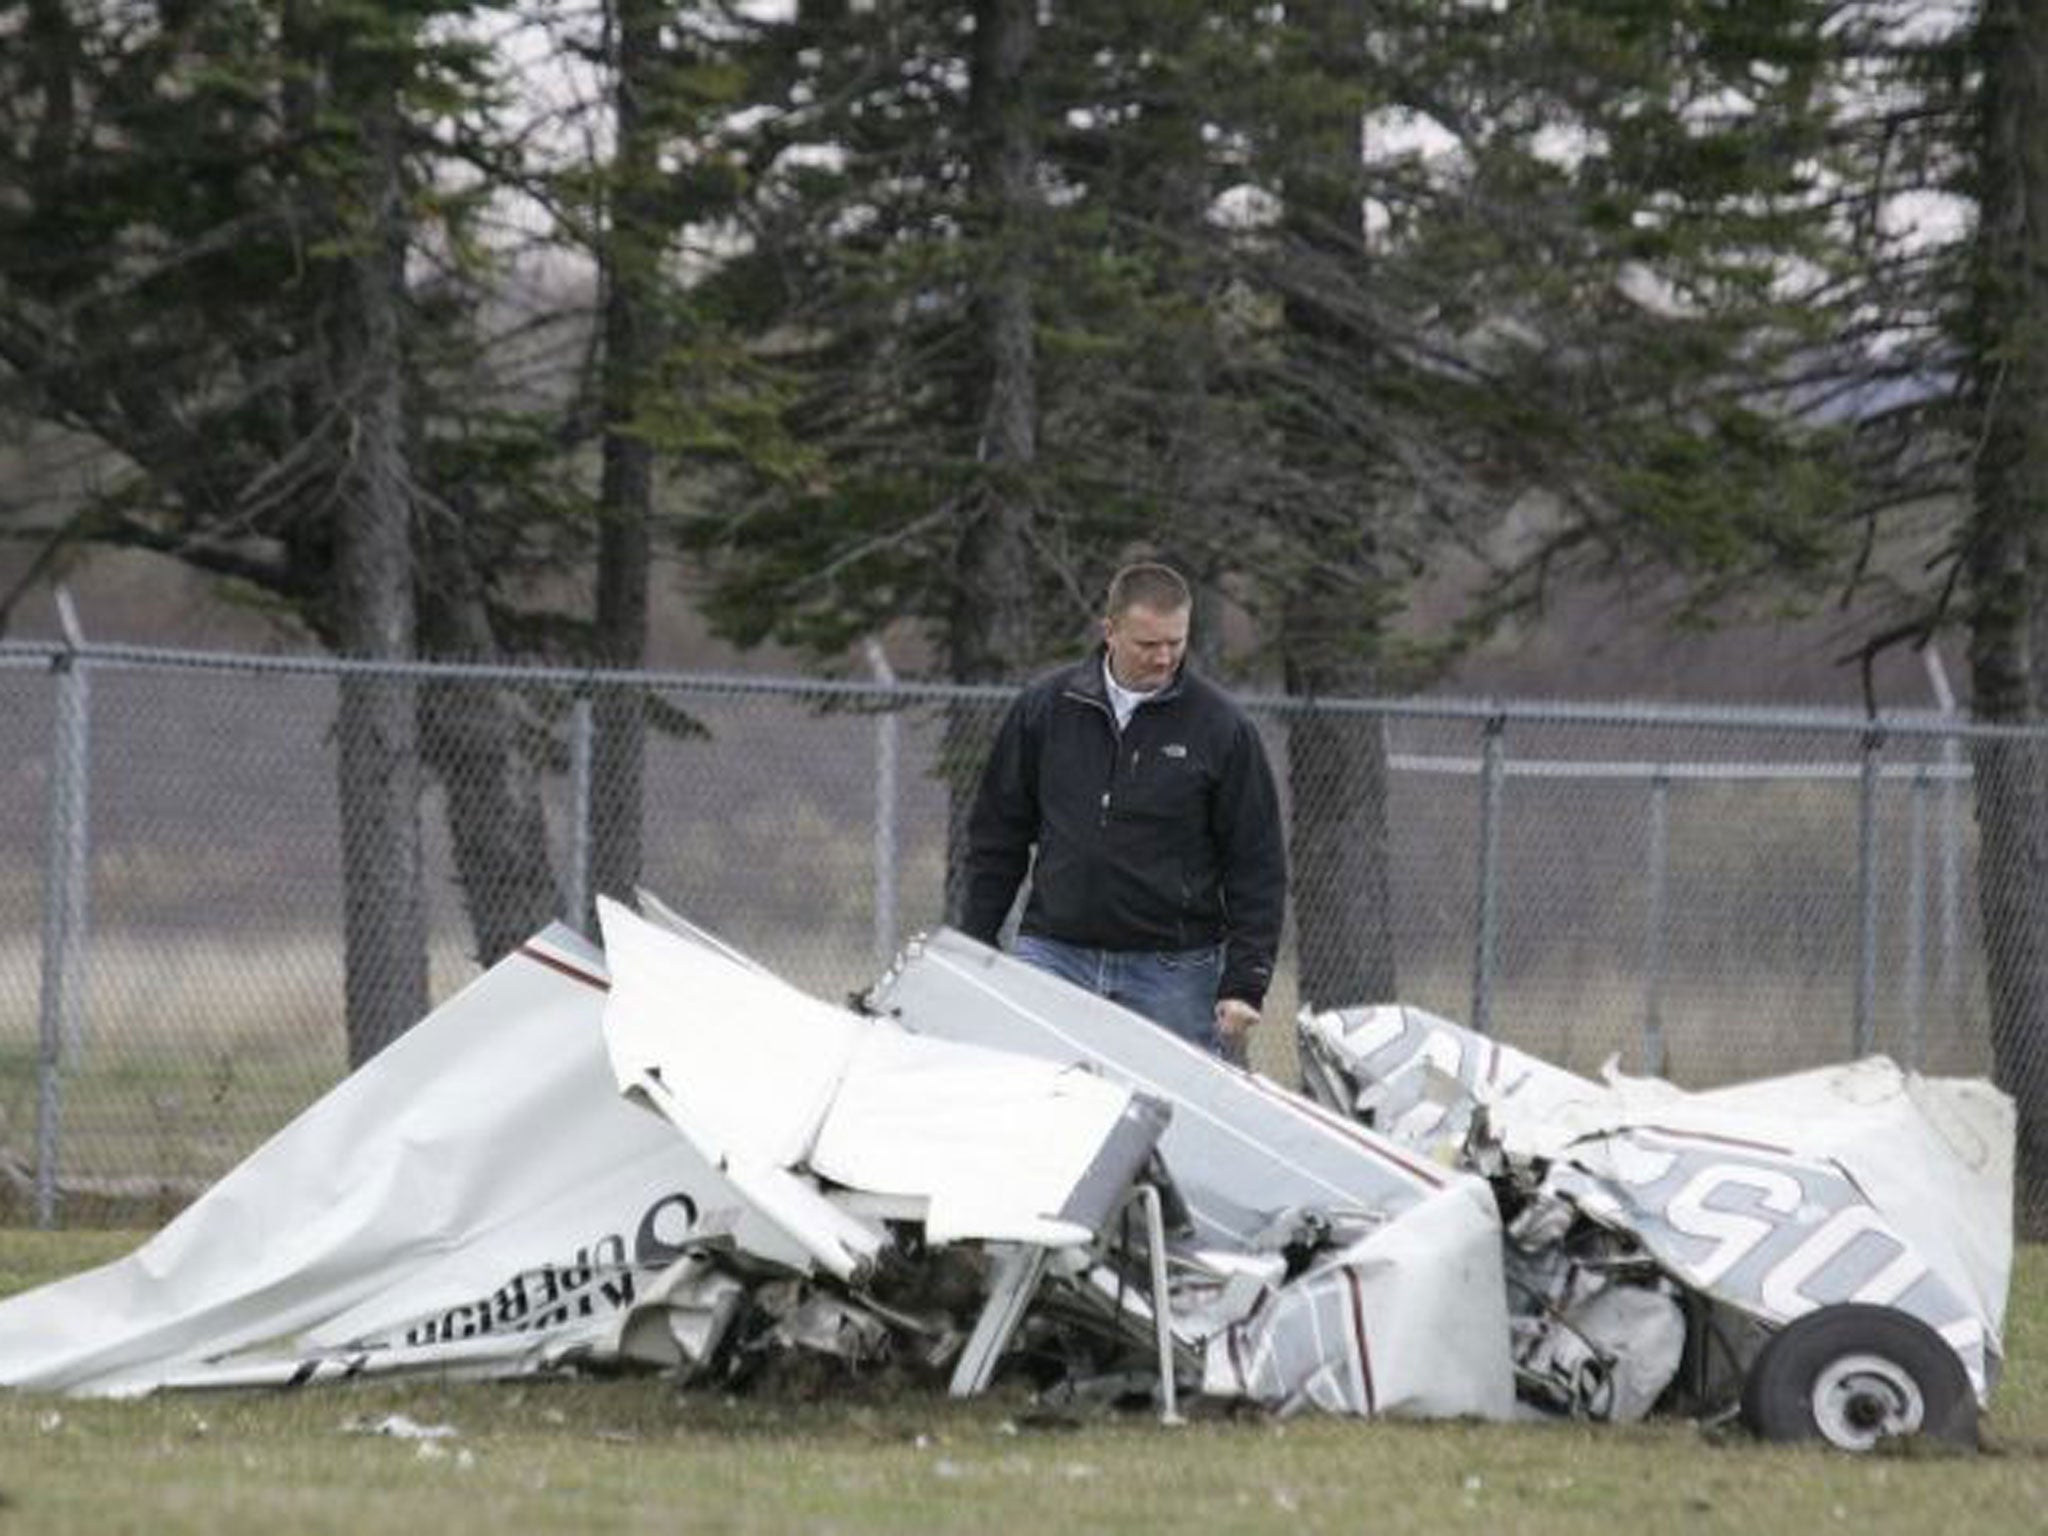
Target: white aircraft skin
<point>607,1155</point>
<point>490,1195</point>
<point>1859,1183</point>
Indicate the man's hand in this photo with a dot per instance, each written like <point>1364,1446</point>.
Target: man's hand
<point>1234,1020</point>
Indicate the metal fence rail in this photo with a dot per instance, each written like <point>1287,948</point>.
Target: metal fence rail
<point>1705,893</point>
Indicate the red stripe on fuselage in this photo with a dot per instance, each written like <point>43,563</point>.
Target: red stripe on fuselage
<point>557,963</point>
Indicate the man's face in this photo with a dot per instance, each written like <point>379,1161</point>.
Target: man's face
<point>1145,645</point>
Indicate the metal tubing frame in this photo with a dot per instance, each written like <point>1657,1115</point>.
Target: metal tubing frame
<point>1162,1314</point>
<point>1018,1269</point>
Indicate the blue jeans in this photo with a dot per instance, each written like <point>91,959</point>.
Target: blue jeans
<point>1173,988</point>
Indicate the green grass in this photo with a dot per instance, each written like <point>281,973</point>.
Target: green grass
<point>635,1455</point>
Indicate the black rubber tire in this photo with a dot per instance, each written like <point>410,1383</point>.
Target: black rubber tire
<point>1779,1395</point>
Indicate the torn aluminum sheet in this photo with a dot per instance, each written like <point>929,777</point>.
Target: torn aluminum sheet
<point>1785,1200</point>
<point>769,1084</point>
<point>479,1199</point>
<point>476,1198</point>
<point>1417,1079</point>
<point>1401,1310</point>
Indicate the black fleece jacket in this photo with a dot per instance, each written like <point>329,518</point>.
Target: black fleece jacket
<point>1163,836</point>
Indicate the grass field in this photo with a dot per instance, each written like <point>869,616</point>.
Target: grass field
<point>635,1455</point>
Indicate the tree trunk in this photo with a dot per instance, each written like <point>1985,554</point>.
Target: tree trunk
<point>1195,448</point>
<point>991,633</point>
<point>633,338</point>
<point>2009,563</point>
<point>1337,844</point>
<point>385,926</point>
<point>1331,617</point>
<point>470,739</point>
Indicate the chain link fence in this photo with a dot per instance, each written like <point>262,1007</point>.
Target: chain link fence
<point>1708,894</point>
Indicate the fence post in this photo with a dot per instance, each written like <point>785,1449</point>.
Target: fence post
<point>1492,765</point>
<point>1916,922</point>
<point>1949,970</point>
<point>60,1005</point>
<point>1653,963</point>
<point>578,893</point>
<point>888,754</point>
<point>1950,965</point>
<point>1866,890</point>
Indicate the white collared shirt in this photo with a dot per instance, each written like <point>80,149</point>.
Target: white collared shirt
<point>1121,699</point>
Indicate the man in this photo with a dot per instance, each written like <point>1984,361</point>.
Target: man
<point>1160,872</point>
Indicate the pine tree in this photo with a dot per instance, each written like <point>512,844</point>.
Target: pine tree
<point>203,267</point>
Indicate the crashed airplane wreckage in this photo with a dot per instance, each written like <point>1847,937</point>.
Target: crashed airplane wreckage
<point>491,1196</point>
<point>1827,1253</point>
<point>661,1155</point>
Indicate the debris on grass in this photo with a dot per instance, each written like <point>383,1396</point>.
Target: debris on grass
<point>399,1426</point>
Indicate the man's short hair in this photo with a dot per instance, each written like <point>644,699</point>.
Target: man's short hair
<point>1147,585</point>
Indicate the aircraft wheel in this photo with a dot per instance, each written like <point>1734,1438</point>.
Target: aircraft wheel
<point>1853,1375</point>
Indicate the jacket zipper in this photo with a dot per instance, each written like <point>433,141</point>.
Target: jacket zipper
<point>1115,752</point>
